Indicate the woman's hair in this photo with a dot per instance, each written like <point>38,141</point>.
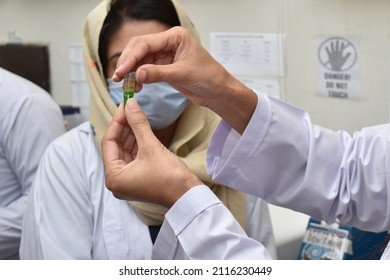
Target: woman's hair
<point>122,11</point>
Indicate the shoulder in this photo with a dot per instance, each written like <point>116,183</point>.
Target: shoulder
<point>13,87</point>
<point>75,141</point>
<point>73,153</point>
<point>20,95</point>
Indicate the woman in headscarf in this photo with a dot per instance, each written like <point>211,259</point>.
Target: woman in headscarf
<point>71,214</point>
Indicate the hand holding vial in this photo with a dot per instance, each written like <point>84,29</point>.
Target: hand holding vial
<point>132,153</point>
<point>177,58</point>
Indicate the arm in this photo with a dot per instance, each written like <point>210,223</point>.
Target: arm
<point>132,153</point>
<point>199,226</point>
<point>27,130</point>
<point>290,162</point>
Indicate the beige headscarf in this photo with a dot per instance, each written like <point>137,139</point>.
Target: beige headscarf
<point>192,133</point>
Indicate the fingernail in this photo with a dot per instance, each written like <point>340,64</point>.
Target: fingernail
<point>115,76</point>
<point>132,105</point>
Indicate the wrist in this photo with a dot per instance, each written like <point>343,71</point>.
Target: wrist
<point>236,104</point>
<point>188,182</point>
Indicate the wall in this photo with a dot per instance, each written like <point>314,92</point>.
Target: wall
<point>59,23</point>
<point>52,22</point>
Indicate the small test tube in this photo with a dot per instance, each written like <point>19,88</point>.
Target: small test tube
<point>128,86</point>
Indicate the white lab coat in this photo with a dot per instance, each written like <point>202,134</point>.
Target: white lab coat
<point>72,215</point>
<point>29,121</point>
<point>284,159</point>
<point>205,229</point>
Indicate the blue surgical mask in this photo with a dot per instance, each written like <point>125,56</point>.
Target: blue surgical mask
<point>162,103</point>
<point>115,90</point>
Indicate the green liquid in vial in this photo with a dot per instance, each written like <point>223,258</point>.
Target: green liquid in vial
<point>128,93</point>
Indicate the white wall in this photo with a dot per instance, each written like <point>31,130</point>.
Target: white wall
<point>59,23</point>
<point>53,22</point>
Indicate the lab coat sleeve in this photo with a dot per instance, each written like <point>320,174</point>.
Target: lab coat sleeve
<point>58,223</point>
<point>27,130</point>
<point>199,226</point>
<point>285,159</point>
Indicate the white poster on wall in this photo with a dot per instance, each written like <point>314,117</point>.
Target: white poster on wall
<point>249,54</point>
<point>78,80</point>
<point>338,67</point>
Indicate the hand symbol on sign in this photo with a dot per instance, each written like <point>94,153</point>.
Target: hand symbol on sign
<point>336,57</point>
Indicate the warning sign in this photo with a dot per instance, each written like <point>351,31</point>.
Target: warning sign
<point>338,67</point>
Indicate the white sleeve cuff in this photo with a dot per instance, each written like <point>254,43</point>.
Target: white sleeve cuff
<point>190,205</point>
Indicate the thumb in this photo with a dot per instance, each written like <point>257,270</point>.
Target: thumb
<point>138,122</point>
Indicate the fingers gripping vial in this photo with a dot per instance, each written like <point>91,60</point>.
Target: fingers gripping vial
<point>128,86</point>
